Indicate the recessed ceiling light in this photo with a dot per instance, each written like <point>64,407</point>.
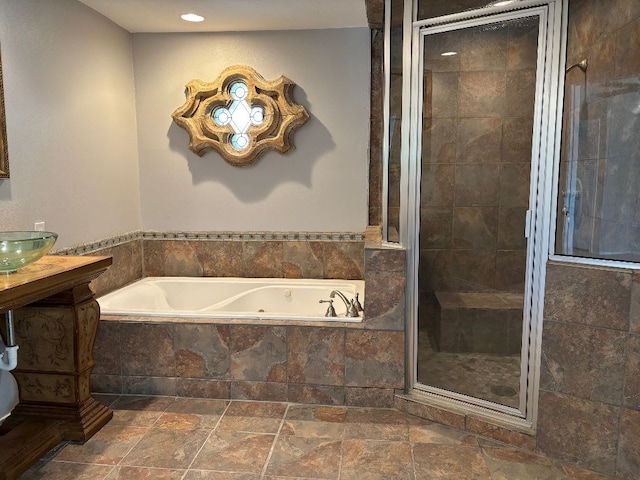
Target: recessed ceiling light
<point>192,17</point>
<point>448,54</point>
<point>501,3</point>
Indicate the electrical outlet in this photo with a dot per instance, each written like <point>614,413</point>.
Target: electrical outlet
<point>38,226</point>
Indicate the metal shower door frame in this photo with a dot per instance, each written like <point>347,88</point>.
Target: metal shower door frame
<point>545,152</point>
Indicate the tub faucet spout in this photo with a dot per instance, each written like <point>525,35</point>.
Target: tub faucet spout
<point>352,311</point>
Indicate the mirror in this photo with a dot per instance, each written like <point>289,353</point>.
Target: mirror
<point>4,153</point>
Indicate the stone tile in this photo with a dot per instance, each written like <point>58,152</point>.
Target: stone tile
<point>577,473</point>
<point>315,356</point>
<point>324,394</point>
<point>588,296</point>
<point>372,460</point>
<point>511,222</point>
<point>374,359</point>
<point>385,259</point>
<point>385,301</point>
<point>343,260</point>
<point>153,258</point>
<point>187,421</point>
<point>517,439</point>
<point>482,94</point>
<point>126,267</point>
<point>106,349</point>
<point>627,51</point>
<point>431,413</point>
<point>106,383</point>
<point>234,452</point>
<point>303,259</point>
<point>522,47</point>
<point>377,431</point>
<point>584,361</point>
<point>510,270</point>
<point>203,388</point>
<point>437,185</point>
<point>632,374</point>
<point>578,431</point>
<point>439,140</point>
<point>449,461</point>
<point>634,313</point>
<point>167,448</point>
<point>134,418</point>
<point>64,471</point>
<point>147,350</point>
<point>249,424</point>
<point>212,475</point>
<point>181,259</point>
<point>220,258</point>
<point>628,460</point>
<point>258,353</point>
<point>514,185</point>
<point>479,140</point>
<point>256,409</point>
<point>441,94</point>
<point>309,428</point>
<point>520,93</point>
<point>477,185</point>
<point>107,447</point>
<point>144,385</point>
<point>264,391</point>
<point>507,464</point>
<point>479,269</point>
<point>426,431</point>
<point>105,399</point>
<point>143,473</point>
<point>198,406</point>
<point>305,457</point>
<point>436,227</point>
<point>262,259</point>
<point>202,351</point>
<point>516,139</point>
<point>320,413</point>
<point>475,228</point>
<point>486,50</point>
<point>369,397</point>
<point>142,403</point>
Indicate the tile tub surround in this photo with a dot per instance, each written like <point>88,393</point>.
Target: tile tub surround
<point>338,363</point>
<point>183,438</point>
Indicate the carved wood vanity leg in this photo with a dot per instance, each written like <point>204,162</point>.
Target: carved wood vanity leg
<point>55,359</point>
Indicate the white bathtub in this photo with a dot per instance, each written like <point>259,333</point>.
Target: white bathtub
<point>243,298</point>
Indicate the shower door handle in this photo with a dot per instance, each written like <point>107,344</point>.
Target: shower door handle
<point>527,224</point>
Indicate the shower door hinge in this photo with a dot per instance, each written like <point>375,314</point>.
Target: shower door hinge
<point>527,224</point>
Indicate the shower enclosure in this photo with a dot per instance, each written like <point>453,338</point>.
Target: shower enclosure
<point>478,148</point>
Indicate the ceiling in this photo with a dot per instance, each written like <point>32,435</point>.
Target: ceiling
<point>232,15</point>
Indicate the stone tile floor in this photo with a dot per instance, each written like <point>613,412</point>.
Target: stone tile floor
<point>167,438</point>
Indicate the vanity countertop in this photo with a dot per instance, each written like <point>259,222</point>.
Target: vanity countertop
<point>47,276</point>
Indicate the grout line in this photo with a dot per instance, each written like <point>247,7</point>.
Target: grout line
<point>206,440</point>
<point>263,472</point>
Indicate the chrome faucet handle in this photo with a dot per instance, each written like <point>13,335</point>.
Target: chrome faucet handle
<point>331,312</point>
<point>358,304</point>
<point>353,310</point>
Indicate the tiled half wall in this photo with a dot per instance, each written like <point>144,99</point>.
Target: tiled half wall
<point>341,363</point>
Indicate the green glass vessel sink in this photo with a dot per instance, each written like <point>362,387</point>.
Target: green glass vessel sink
<point>19,249</point>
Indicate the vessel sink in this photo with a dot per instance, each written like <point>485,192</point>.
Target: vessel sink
<point>19,249</point>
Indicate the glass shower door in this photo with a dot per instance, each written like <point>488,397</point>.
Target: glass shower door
<point>479,88</point>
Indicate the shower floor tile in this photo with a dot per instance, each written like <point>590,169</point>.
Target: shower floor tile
<point>196,439</point>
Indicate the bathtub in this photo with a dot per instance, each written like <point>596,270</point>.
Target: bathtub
<point>232,298</point>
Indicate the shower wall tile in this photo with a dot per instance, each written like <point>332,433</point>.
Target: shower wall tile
<point>478,267</point>
<point>303,259</point>
<point>220,259</point>
<point>475,185</point>
<point>374,359</point>
<point>202,351</point>
<point>482,94</point>
<point>438,183</point>
<point>627,51</point>
<point>588,296</point>
<point>441,94</point>
<point>263,391</point>
<point>435,270</point>
<point>344,260</point>
<point>315,356</point>
<point>475,228</point>
<point>439,140</point>
<point>522,52</point>
<point>628,460</point>
<point>436,227</point>
<point>203,388</point>
<point>486,50</point>
<point>569,367</point>
<point>511,223</point>
<point>316,394</point>
<point>258,353</point>
<point>520,93</point>
<point>578,431</point>
<point>148,350</point>
<point>479,140</point>
<point>632,374</point>
<point>516,139</point>
<point>510,270</point>
<point>262,259</point>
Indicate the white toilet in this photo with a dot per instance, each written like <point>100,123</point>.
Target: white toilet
<point>8,390</point>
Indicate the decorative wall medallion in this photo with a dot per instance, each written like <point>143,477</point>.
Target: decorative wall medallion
<point>240,115</point>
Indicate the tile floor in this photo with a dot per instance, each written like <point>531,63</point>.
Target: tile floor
<point>167,438</point>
